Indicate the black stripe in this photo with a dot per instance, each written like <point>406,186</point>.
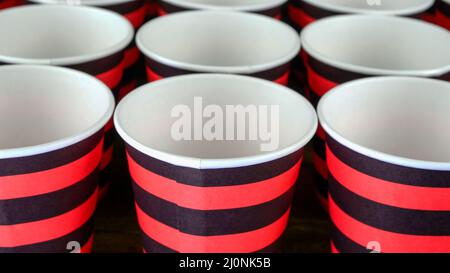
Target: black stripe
<point>332,73</point>
<point>444,8</point>
<point>152,246</point>
<point>41,207</point>
<point>168,71</point>
<point>343,244</point>
<point>100,66</point>
<point>58,245</point>
<point>313,11</point>
<point>387,171</point>
<point>125,8</point>
<point>50,160</point>
<point>109,139</point>
<point>321,185</point>
<point>389,218</point>
<point>106,176</point>
<point>313,97</point>
<point>319,147</point>
<point>212,222</point>
<point>216,177</point>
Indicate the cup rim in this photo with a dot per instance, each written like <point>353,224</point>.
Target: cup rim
<point>70,140</point>
<point>205,163</point>
<point>402,12</point>
<point>249,69</point>
<point>372,153</point>
<point>80,58</point>
<point>85,2</point>
<point>250,7</point>
<point>364,69</point>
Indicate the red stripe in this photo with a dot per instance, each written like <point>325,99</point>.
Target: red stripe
<point>151,75</point>
<point>87,248</point>
<point>137,17</point>
<point>106,158</point>
<point>109,125</point>
<point>213,198</point>
<point>317,83</point>
<point>320,165</point>
<point>48,229</point>
<point>237,243</point>
<point>390,242</point>
<point>322,201</point>
<point>152,8</point>
<point>442,20</point>
<point>10,3</point>
<point>131,57</point>
<point>320,133</point>
<point>299,17</point>
<point>284,79</point>
<point>333,248</point>
<point>428,17</point>
<point>126,89</point>
<point>113,76</point>
<point>386,192</point>
<point>161,11</point>
<point>26,185</point>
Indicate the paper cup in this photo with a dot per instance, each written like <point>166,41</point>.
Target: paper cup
<point>304,12</point>
<point>248,44</point>
<point>87,39</point>
<point>443,13</point>
<point>272,8</point>
<point>350,47</point>
<point>212,196</point>
<point>4,4</point>
<point>389,161</point>
<point>52,122</point>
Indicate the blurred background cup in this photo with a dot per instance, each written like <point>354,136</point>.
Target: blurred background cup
<point>52,122</point>
<point>136,12</point>
<point>388,152</point>
<point>213,194</point>
<point>218,42</point>
<point>87,39</point>
<point>350,47</point>
<point>4,4</point>
<point>272,8</point>
<point>443,13</point>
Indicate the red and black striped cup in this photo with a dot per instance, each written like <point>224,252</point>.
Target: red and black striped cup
<point>349,47</point>
<point>188,42</point>
<point>52,122</point>
<point>388,151</point>
<point>88,39</point>
<point>304,12</point>
<point>4,4</point>
<point>272,8</point>
<point>208,194</point>
<point>443,13</point>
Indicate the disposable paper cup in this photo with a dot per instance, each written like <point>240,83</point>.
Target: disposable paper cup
<point>188,42</point>
<point>52,122</point>
<point>212,196</point>
<point>4,4</point>
<point>88,39</point>
<point>443,13</point>
<point>304,12</point>
<point>351,47</point>
<point>272,8</point>
<point>388,153</point>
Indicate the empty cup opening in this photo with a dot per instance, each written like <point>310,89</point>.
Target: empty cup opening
<point>213,41</point>
<point>404,119</point>
<point>244,5</point>
<point>84,2</point>
<point>144,119</point>
<point>61,35</point>
<point>49,108</point>
<point>386,7</point>
<point>379,45</point>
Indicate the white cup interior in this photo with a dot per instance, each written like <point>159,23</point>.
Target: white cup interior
<point>385,7</point>
<point>61,35</point>
<point>43,108</point>
<point>399,120</point>
<point>379,45</point>
<point>218,41</point>
<point>143,119</point>
<point>244,5</point>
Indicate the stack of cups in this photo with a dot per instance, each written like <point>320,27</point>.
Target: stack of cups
<point>349,47</point>
<point>52,121</point>
<point>214,159</point>
<point>272,8</point>
<point>388,152</point>
<point>443,13</point>
<point>87,39</point>
<point>135,11</point>
<point>189,42</point>
<point>4,4</point>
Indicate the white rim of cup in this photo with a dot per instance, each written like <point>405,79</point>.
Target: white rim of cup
<point>295,48</point>
<point>446,1</point>
<point>100,3</point>
<point>364,69</point>
<point>31,9</point>
<point>268,4</point>
<point>205,163</point>
<point>410,10</point>
<point>67,141</point>
<point>372,153</point>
